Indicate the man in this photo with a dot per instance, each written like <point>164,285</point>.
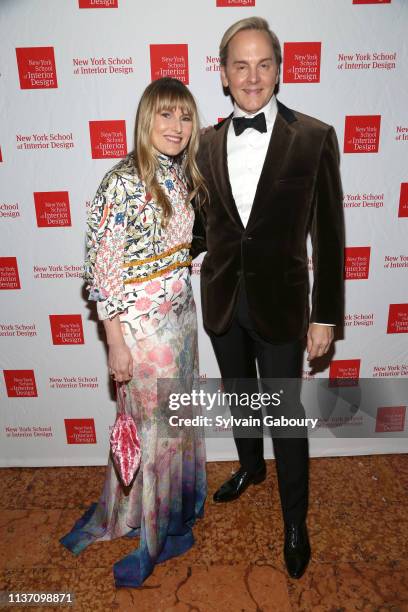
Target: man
<point>273,178</point>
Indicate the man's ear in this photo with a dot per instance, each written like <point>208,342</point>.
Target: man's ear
<point>224,78</point>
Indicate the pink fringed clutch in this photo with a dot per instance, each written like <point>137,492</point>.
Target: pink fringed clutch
<point>124,441</point>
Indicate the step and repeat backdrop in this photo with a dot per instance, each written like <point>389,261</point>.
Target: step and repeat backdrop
<point>71,74</point>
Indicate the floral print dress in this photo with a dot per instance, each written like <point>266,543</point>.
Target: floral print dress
<point>139,270</point>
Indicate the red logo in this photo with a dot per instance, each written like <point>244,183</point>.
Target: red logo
<point>371,1</point>
<point>1,156</point>
<point>80,431</point>
<point>36,67</point>
<point>362,133</point>
<point>398,319</point>
<point>20,383</point>
<point>390,418</point>
<point>66,329</point>
<point>9,278</point>
<point>84,4</point>
<point>403,203</point>
<point>344,372</point>
<point>301,62</point>
<point>169,61</point>
<point>235,2</point>
<point>356,262</point>
<point>52,208</point>
<point>108,139</point>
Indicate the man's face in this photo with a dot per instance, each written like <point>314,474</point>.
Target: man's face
<point>251,72</point>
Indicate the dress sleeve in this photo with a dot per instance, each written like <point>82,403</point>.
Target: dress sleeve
<point>105,242</point>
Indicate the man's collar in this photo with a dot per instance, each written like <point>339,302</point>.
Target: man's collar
<point>270,109</point>
<point>286,113</point>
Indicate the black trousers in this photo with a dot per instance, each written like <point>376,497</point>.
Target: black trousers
<point>237,352</point>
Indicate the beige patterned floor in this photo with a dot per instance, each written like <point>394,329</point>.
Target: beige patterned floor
<point>358,525</point>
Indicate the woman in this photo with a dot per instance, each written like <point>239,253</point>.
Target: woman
<point>139,234</point>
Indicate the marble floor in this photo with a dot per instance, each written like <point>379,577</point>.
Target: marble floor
<point>358,526</point>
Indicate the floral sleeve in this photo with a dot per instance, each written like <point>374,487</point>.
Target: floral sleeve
<point>105,239</point>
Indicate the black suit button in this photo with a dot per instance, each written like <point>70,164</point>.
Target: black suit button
<point>249,237</point>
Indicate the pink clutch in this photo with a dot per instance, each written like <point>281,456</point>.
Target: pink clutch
<point>124,441</point>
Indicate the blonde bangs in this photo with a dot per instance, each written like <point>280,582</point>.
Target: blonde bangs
<point>173,103</point>
<point>173,100</point>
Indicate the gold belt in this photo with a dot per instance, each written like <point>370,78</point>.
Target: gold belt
<point>169,268</point>
<point>173,266</point>
<point>141,262</point>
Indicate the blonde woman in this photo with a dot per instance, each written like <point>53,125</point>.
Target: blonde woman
<point>138,239</point>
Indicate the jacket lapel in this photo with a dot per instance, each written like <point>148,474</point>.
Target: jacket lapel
<point>219,169</point>
<point>280,144</point>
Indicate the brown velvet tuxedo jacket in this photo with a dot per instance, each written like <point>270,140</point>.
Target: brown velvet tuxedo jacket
<point>299,192</point>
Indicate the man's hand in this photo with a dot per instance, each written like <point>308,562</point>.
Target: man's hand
<point>319,339</point>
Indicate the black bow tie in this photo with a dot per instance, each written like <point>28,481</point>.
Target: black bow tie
<point>242,123</point>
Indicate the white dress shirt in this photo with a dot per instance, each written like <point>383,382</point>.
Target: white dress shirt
<point>246,155</point>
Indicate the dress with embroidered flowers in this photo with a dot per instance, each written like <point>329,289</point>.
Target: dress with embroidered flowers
<point>138,269</point>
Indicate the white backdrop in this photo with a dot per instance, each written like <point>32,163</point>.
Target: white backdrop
<point>72,72</point>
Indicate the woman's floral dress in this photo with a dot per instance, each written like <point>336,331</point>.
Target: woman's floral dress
<point>139,270</point>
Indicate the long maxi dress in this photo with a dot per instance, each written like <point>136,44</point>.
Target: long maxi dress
<point>139,269</point>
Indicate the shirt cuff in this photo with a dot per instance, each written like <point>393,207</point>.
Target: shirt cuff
<point>327,324</point>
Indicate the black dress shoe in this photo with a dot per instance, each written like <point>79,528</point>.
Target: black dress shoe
<point>237,484</point>
<point>297,549</point>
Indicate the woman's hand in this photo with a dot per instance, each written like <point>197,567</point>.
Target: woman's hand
<point>119,356</point>
<point>120,362</point>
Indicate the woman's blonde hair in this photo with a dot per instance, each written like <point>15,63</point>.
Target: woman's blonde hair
<point>166,94</point>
